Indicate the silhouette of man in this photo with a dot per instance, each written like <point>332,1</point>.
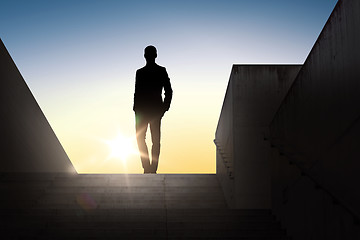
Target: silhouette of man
<point>149,106</point>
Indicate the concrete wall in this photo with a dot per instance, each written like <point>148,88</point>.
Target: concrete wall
<point>317,128</point>
<point>224,141</point>
<point>27,142</point>
<point>253,95</point>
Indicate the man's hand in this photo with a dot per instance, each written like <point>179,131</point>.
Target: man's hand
<point>163,110</point>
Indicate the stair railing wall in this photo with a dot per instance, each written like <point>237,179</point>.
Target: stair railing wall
<point>27,141</point>
<point>316,136</point>
<point>224,140</point>
<point>253,95</point>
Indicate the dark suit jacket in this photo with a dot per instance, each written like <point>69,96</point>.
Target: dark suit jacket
<point>150,81</point>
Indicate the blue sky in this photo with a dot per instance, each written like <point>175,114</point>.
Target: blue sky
<point>79,57</point>
<point>193,37</point>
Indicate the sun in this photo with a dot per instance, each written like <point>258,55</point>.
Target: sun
<point>121,147</point>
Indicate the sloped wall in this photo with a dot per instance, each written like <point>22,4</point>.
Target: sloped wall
<point>27,142</point>
<point>317,129</point>
<point>253,95</point>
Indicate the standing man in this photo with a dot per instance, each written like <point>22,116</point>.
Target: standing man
<point>150,107</point>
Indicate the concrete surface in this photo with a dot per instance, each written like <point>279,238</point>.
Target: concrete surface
<point>253,95</point>
<point>318,128</point>
<point>27,142</point>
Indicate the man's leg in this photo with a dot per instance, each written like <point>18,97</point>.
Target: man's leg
<point>155,137</point>
<point>141,124</point>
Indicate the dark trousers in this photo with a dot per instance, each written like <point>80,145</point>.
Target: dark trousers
<point>141,125</point>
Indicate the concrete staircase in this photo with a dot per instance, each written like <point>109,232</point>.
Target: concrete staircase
<point>99,206</point>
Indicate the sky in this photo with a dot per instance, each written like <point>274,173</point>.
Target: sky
<point>79,59</point>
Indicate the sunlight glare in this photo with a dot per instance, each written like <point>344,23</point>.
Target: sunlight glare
<point>121,147</point>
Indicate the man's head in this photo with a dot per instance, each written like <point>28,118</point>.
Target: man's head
<point>150,53</point>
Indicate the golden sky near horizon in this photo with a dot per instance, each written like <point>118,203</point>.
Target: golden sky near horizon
<point>102,114</point>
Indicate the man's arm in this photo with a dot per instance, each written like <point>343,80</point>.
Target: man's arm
<point>168,92</point>
<point>135,92</point>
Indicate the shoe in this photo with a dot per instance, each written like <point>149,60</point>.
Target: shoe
<point>153,167</point>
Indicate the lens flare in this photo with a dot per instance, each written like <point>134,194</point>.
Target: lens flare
<point>86,201</point>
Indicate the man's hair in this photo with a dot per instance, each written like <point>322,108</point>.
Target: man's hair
<point>150,52</point>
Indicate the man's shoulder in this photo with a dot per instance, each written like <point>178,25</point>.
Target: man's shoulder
<point>146,67</point>
<point>141,69</point>
<point>161,67</point>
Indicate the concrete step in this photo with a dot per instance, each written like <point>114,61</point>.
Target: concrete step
<point>188,220</point>
<point>85,220</point>
<point>117,206</point>
<point>145,233</point>
<point>136,189</point>
<point>132,197</point>
<point>176,214</point>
